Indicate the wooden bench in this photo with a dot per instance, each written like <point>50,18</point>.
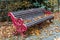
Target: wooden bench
<point>24,19</point>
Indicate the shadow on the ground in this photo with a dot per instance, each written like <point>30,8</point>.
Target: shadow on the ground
<point>31,31</point>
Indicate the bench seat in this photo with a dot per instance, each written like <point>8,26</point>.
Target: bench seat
<point>39,21</point>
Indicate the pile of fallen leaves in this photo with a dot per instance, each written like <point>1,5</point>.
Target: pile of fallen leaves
<point>33,30</point>
<point>7,31</point>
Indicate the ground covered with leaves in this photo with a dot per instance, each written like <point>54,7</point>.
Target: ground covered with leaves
<point>49,31</point>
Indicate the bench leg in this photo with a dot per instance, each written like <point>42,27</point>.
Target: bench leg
<point>22,34</point>
<point>21,31</point>
<point>40,25</point>
<point>50,21</point>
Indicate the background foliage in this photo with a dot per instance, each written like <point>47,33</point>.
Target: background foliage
<point>15,5</point>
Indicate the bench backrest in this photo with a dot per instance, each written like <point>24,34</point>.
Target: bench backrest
<point>28,14</point>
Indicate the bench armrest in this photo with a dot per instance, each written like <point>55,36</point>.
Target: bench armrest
<point>20,21</point>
